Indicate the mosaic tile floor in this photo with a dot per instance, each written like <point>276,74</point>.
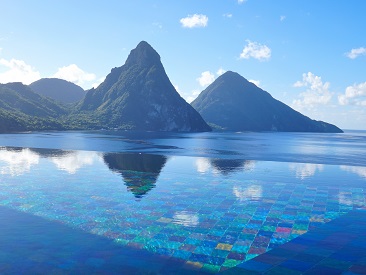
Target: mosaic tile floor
<point>209,222</point>
<point>338,247</point>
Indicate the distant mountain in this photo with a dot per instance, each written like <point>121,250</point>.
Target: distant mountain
<point>140,96</point>
<point>233,103</point>
<point>21,109</point>
<point>58,89</point>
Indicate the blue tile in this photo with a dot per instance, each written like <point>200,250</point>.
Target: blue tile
<point>296,265</point>
<point>255,266</point>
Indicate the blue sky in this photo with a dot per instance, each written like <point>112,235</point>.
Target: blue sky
<point>308,54</point>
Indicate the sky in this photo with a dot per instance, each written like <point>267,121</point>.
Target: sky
<point>309,54</point>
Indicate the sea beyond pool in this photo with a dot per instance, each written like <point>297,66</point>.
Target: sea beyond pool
<point>109,201</point>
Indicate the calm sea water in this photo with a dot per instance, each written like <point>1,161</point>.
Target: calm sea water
<point>122,201</point>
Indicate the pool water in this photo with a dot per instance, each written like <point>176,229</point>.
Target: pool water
<point>204,213</point>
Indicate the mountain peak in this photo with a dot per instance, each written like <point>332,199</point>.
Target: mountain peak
<point>233,76</point>
<point>143,55</point>
<point>140,96</point>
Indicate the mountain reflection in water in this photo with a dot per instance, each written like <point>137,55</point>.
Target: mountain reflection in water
<point>139,171</point>
<point>228,166</point>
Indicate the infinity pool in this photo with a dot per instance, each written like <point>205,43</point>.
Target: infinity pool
<point>193,213</point>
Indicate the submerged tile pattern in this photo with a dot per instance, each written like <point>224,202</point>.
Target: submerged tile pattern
<point>212,223</point>
<point>338,247</point>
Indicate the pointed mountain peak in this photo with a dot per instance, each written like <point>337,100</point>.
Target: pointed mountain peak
<point>143,55</point>
<point>233,76</point>
<point>233,83</point>
<point>140,96</point>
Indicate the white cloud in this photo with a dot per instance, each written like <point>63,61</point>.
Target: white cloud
<point>345,198</point>
<point>189,97</point>
<point>241,1</point>
<point>74,74</point>
<point>354,95</point>
<point>282,18</point>
<point>255,82</point>
<point>358,170</point>
<point>192,96</point>
<point>354,53</point>
<point>98,82</point>
<point>176,87</point>
<point>227,15</point>
<point>305,170</point>
<point>71,163</point>
<point>206,78</point>
<point>203,165</point>
<point>186,218</point>
<point>194,21</point>
<point>255,50</point>
<point>18,71</point>
<point>17,162</point>
<point>251,193</point>
<point>316,92</point>
<point>220,71</point>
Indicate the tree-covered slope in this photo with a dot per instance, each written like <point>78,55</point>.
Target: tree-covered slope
<point>21,109</point>
<point>20,98</point>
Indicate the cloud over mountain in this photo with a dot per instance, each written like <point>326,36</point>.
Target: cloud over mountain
<point>18,71</point>
<point>74,74</point>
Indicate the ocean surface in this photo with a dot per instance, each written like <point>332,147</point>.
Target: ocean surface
<point>164,202</point>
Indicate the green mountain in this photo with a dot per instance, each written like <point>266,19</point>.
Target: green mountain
<point>233,103</point>
<point>21,109</point>
<point>10,122</point>
<point>20,98</point>
<point>140,96</point>
<point>58,89</point>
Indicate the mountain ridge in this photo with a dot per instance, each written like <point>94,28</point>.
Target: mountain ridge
<point>139,96</point>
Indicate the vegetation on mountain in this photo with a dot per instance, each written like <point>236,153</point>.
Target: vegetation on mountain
<point>21,109</point>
